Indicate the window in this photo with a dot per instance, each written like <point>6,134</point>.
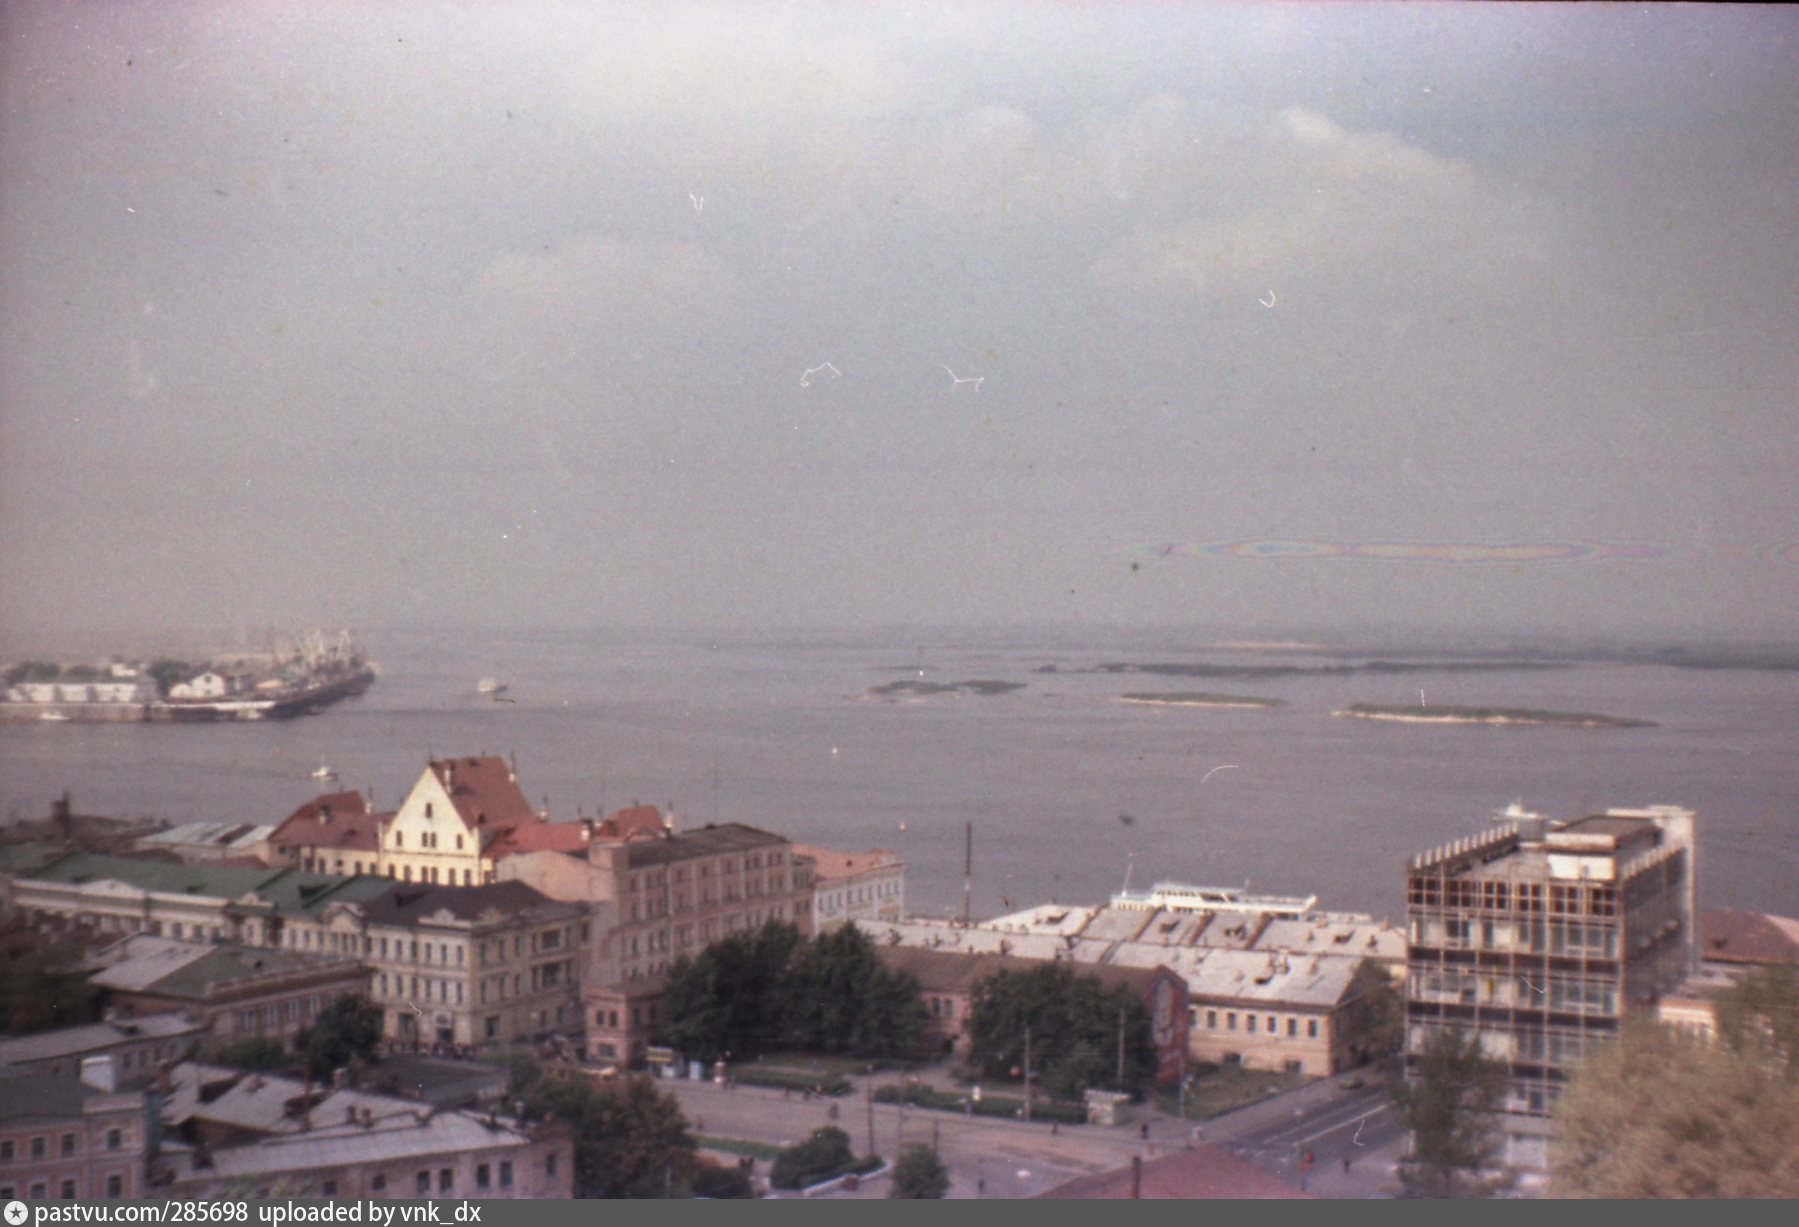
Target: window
<point>482,1177</point>
<point>1311,1028</point>
<point>446,1179</point>
<point>549,1164</point>
<point>38,1148</point>
<point>328,1189</point>
<point>1249,1021</point>
<point>39,1190</point>
<point>6,1151</point>
<point>423,1183</point>
<point>1230,1020</point>
<point>68,1190</point>
<point>114,1138</point>
<point>379,1183</point>
<point>505,1173</point>
<point>1292,1028</point>
<point>1212,1020</point>
<point>115,1186</point>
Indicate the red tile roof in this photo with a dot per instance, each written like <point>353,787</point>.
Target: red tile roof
<point>484,791</point>
<point>571,837</point>
<point>335,820</point>
<point>632,822</point>
<point>1203,1173</point>
<point>1730,936</point>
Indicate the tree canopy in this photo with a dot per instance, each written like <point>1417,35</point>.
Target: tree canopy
<point>346,1033</point>
<point>1658,1114</point>
<point>1076,1024</point>
<point>1447,1105</point>
<point>43,986</point>
<point>631,1140</point>
<point>770,987</point>
<point>918,1174</point>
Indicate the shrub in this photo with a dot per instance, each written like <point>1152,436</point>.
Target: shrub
<point>822,1156</point>
<point>721,1183</point>
<point>793,1079</point>
<point>919,1175</point>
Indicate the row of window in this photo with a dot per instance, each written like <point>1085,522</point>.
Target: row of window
<point>38,1147</point>
<point>39,1190</point>
<point>1265,1024</point>
<point>1499,895</point>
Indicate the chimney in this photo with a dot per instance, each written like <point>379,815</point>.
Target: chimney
<point>99,1073</point>
<point>449,777</point>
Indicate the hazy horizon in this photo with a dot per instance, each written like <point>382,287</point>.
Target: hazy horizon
<point>1403,320</point>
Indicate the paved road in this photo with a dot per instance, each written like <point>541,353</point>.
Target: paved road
<point>995,1158</point>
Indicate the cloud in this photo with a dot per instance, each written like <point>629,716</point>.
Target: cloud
<point>1301,195</point>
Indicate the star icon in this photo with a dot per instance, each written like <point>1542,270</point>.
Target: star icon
<point>16,1213</point>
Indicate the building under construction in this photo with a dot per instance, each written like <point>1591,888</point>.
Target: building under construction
<point>1541,938</point>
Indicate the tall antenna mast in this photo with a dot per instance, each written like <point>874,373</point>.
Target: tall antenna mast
<point>967,873</point>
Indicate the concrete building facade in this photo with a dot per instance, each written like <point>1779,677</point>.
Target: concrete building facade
<point>1541,939</point>
<point>463,966</point>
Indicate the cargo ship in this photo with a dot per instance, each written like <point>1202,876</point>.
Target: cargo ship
<point>294,678</point>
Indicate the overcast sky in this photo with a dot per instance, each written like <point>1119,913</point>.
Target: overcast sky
<point>352,314</point>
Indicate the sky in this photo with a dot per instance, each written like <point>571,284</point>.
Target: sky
<point>1244,317</point>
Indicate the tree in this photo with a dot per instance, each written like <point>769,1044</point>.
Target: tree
<point>630,1139</point>
<point>43,986</point>
<point>1447,1105</point>
<point>1378,1018</point>
<point>1656,1114</point>
<point>769,987</point>
<point>1759,1015</point>
<point>845,1000</point>
<point>733,997</point>
<point>919,1174</point>
<point>346,1033</point>
<point>1076,1026</point>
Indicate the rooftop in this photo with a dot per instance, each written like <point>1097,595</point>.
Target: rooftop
<point>708,840</point>
<point>170,973</point>
<point>830,865</point>
<point>93,1038</point>
<point>1730,936</point>
<point>413,904</point>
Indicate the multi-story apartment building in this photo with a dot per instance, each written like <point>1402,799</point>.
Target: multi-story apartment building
<point>69,1139</point>
<point>667,896</point>
<point>459,965</point>
<point>1541,938</point>
<point>854,885</point>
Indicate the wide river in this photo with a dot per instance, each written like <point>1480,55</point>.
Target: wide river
<point>1071,792</point>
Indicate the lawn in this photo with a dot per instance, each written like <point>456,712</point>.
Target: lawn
<point>1216,1089</point>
